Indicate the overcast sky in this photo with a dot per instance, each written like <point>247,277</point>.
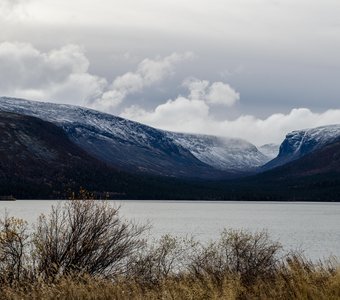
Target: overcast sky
<point>255,69</point>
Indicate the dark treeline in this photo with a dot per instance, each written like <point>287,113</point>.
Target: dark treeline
<point>38,161</point>
<point>124,186</point>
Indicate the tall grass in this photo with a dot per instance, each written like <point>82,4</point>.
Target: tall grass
<point>84,250</point>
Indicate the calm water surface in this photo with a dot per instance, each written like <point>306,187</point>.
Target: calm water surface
<point>313,227</point>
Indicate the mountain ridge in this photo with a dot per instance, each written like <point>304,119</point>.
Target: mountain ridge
<point>38,160</point>
<point>299,143</point>
<point>137,147</point>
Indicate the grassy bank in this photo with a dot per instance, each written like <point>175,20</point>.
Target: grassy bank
<point>85,250</point>
<point>294,283</point>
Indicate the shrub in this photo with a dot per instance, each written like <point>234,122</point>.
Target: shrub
<point>84,236</point>
<point>13,243</point>
<point>84,250</point>
<point>241,253</point>
<point>166,258</point>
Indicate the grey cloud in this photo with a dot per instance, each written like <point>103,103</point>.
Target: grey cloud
<point>278,55</point>
<point>216,93</point>
<point>63,75</point>
<point>279,72</point>
<point>193,116</point>
<point>12,3</point>
<point>60,74</point>
<point>148,73</point>
<point>8,8</point>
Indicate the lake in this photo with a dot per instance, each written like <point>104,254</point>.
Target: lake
<point>313,227</point>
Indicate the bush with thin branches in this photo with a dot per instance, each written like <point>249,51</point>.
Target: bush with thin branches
<point>84,250</point>
<point>13,249</point>
<point>84,236</point>
<point>167,257</point>
<point>248,255</point>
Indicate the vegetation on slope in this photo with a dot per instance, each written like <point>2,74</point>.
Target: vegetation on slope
<point>38,161</point>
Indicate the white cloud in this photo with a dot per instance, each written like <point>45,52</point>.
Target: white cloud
<point>221,93</point>
<point>189,115</point>
<point>148,73</point>
<point>12,8</point>
<point>215,93</point>
<point>181,114</point>
<point>196,87</point>
<point>10,4</point>
<point>60,75</point>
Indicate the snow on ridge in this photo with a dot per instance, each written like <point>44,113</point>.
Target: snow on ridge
<point>313,137</point>
<point>65,114</point>
<point>220,152</point>
<point>270,150</point>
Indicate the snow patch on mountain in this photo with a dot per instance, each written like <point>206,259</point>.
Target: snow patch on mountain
<point>221,153</point>
<point>270,150</point>
<point>107,136</point>
<point>301,142</point>
<point>305,141</point>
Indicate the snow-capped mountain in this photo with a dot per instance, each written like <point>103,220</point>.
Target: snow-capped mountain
<point>270,150</point>
<point>301,142</point>
<point>221,153</point>
<point>136,147</point>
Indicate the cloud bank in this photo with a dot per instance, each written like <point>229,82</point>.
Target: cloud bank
<point>148,73</point>
<point>215,93</point>
<point>10,4</point>
<point>62,75</point>
<point>193,114</point>
<point>190,113</point>
<point>12,9</point>
<point>59,74</point>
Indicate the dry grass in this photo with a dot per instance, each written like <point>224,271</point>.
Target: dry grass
<point>288,284</point>
<point>83,250</point>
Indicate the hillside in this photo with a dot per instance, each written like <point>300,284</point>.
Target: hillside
<point>302,142</point>
<point>313,177</point>
<point>39,161</point>
<point>137,148</point>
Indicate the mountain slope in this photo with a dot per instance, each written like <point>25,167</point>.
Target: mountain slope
<point>313,177</point>
<point>221,153</point>
<point>38,161</point>
<point>270,150</point>
<point>139,148</point>
<point>324,160</point>
<point>299,143</point>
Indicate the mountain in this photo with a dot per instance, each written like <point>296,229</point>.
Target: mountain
<point>221,153</point>
<point>309,171</point>
<point>323,160</point>
<point>270,150</point>
<point>313,177</point>
<point>137,148</point>
<point>302,142</point>
<point>39,161</point>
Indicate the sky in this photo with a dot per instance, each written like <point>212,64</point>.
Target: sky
<point>254,69</point>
